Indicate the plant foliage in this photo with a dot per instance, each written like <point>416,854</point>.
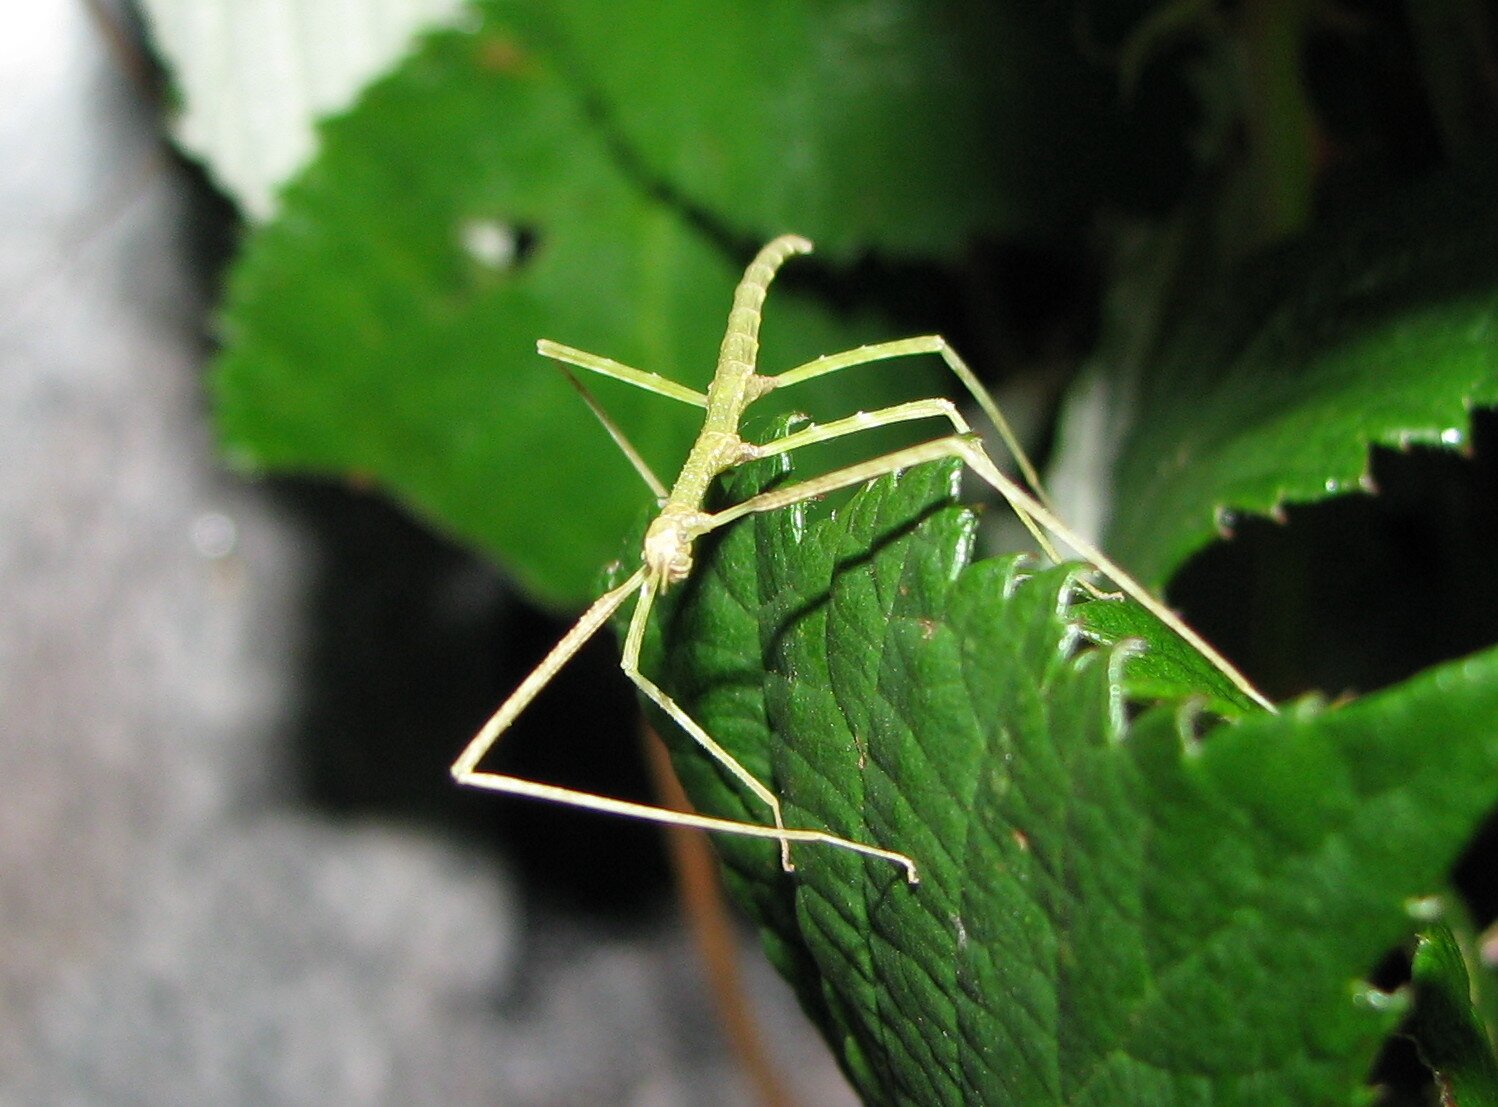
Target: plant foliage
<point>1137,888</point>
<point>1113,910</point>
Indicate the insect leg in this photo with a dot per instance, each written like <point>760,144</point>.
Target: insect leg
<point>967,449</point>
<point>926,344</point>
<point>626,447</point>
<point>586,626</point>
<point>608,367</point>
<point>630,663</point>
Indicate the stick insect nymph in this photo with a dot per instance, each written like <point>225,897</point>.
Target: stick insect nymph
<point>666,558</point>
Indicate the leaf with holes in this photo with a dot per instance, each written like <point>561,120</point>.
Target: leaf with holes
<point>383,328</point>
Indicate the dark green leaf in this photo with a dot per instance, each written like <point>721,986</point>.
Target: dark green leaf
<point>1446,1026</point>
<point>1160,665</point>
<point>1271,388</point>
<point>911,125</point>
<point>1111,912</point>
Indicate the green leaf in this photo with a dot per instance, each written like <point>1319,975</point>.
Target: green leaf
<point>1111,911</point>
<point>909,124</point>
<point>1272,385</point>
<point>1169,667</point>
<point>1446,1025</point>
<point>376,330</point>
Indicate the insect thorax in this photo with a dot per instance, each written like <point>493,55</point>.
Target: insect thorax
<point>668,546</point>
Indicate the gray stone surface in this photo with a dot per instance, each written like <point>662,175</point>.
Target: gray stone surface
<point>176,926</point>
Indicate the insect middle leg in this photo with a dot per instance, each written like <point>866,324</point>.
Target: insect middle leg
<point>926,344</point>
<point>936,344</point>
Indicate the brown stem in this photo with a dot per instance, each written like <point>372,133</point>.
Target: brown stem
<point>701,896</point>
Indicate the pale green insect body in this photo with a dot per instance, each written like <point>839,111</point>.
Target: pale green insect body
<point>666,557</point>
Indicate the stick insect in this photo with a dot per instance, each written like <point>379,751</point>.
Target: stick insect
<point>666,558</point>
